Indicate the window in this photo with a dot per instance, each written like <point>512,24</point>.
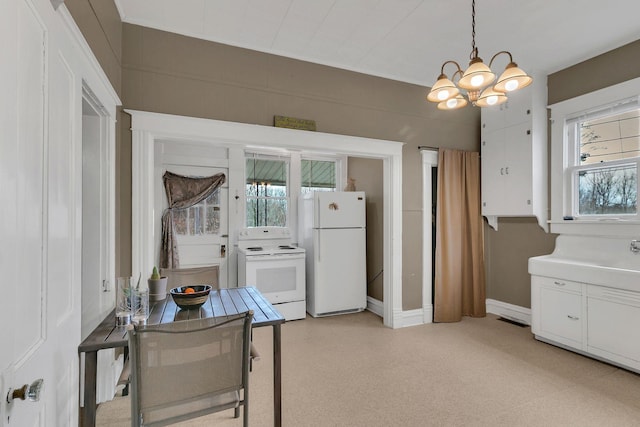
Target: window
<point>200,219</point>
<point>604,160</point>
<point>318,175</point>
<point>266,190</point>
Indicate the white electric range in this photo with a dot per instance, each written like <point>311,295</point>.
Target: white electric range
<point>268,260</point>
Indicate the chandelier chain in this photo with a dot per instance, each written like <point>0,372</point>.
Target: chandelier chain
<point>473,30</point>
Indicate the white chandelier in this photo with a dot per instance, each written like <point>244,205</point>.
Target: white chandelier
<point>476,80</point>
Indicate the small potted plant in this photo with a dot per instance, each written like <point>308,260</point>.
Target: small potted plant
<point>157,286</point>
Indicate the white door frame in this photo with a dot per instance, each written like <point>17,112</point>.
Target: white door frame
<point>147,127</point>
<point>429,161</point>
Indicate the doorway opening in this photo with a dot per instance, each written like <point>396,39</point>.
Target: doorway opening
<point>429,197</point>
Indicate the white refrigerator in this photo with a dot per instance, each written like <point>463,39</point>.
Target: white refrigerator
<point>332,229</point>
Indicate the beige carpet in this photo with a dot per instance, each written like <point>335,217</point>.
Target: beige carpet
<point>352,371</point>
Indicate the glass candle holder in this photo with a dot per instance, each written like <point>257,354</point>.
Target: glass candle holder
<point>140,305</point>
<point>123,301</point>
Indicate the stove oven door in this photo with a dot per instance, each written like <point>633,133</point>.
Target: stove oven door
<point>280,278</point>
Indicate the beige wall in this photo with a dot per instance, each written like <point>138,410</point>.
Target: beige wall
<point>368,176</point>
<point>157,71</point>
<point>507,252</point>
<point>169,73</point>
<point>100,25</point>
<point>608,69</point>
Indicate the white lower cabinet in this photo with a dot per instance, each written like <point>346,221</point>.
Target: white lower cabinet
<point>598,321</point>
<point>614,320</point>
<point>559,308</point>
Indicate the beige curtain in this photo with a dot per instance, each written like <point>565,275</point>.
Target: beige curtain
<point>459,263</point>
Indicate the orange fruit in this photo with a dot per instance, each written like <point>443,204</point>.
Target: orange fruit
<point>189,291</point>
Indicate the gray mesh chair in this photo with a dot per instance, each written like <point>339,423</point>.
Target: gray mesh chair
<point>191,276</point>
<point>190,368</point>
<point>198,276</point>
<point>177,277</point>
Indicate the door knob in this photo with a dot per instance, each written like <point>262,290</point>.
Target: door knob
<point>31,392</point>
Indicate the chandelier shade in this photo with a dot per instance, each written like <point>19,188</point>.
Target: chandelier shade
<point>477,76</point>
<point>490,96</point>
<point>443,90</point>
<point>476,81</point>
<point>513,78</point>
<point>453,103</point>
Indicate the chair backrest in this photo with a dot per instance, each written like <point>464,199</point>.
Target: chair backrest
<point>191,276</point>
<point>190,368</point>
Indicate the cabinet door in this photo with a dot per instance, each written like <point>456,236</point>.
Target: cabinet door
<point>493,172</point>
<point>561,316</point>
<point>612,323</point>
<point>493,117</point>
<point>517,109</point>
<point>517,197</point>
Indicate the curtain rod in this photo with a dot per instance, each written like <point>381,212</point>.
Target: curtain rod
<point>426,147</point>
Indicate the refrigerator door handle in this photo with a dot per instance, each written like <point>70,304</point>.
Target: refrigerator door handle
<point>319,251</point>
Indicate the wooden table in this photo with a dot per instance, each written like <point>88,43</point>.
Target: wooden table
<point>223,302</point>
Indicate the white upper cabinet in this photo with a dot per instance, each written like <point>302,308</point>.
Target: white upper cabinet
<point>514,156</point>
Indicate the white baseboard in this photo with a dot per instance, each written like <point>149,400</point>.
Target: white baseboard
<point>401,319</point>
<point>420,316</point>
<point>509,311</point>
<point>375,306</point>
<point>410,318</point>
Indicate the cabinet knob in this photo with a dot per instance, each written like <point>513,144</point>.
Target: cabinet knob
<point>528,131</point>
<point>572,317</point>
<point>501,171</point>
<point>559,283</point>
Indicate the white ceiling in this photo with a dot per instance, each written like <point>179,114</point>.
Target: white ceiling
<point>405,40</point>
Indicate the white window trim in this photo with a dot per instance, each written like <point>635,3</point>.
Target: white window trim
<point>341,166</point>
<point>561,175</point>
<point>147,128</point>
<point>261,154</point>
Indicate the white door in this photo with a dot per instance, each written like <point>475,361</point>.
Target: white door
<point>39,255</point>
<point>203,238</point>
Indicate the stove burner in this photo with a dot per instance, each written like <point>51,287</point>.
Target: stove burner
<point>254,248</point>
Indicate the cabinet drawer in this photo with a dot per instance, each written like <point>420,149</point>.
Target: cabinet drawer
<point>620,296</point>
<point>559,284</point>
<point>561,314</point>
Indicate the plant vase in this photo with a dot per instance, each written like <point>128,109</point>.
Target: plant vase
<point>157,289</point>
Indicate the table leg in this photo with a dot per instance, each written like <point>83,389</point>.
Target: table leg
<point>90,373</point>
<point>277,377</point>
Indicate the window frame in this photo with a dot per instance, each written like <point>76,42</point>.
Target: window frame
<point>575,166</point>
<point>340,165</point>
<point>254,154</point>
<point>563,169</point>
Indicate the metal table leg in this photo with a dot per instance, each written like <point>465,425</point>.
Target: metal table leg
<point>90,373</point>
<point>277,377</point>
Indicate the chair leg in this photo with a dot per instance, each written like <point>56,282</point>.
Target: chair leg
<point>236,412</point>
